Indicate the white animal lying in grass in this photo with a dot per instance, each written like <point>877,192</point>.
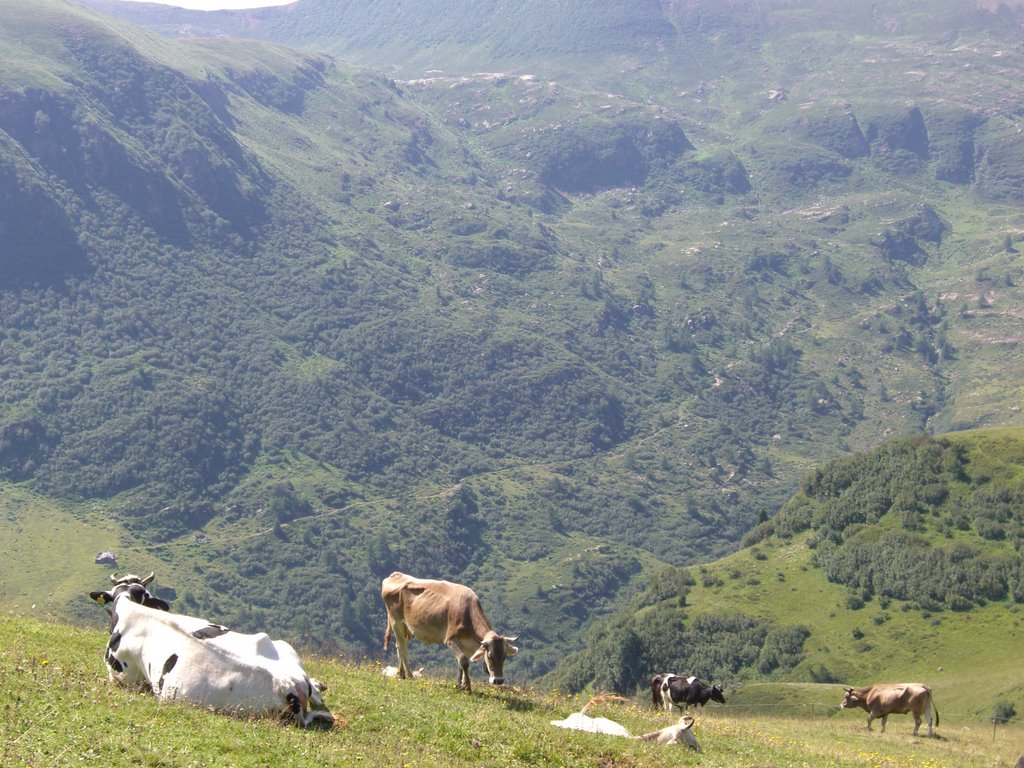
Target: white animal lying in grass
<point>581,721</point>
<point>393,672</point>
<point>679,733</point>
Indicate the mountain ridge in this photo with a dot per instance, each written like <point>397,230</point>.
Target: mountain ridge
<point>487,34</point>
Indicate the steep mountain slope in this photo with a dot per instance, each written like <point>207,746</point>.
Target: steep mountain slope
<point>281,326</point>
<point>269,345</point>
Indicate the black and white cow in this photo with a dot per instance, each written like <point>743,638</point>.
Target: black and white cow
<point>145,597</point>
<point>188,659</point>
<point>668,690</point>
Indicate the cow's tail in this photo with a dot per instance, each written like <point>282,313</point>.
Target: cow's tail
<point>387,634</point>
<point>935,709</point>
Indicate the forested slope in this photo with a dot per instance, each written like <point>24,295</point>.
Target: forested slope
<point>906,561</point>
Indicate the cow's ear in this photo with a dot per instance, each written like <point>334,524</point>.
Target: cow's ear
<point>102,597</point>
<point>155,602</point>
<point>479,652</point>
<point>511,650</point>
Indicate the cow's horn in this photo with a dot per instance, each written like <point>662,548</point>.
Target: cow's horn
<point>149,578</point>
<point>113,578</point>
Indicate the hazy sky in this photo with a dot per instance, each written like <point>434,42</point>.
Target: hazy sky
<point>218,5</point>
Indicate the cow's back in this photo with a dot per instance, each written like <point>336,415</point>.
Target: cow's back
<point>898,698</point>
<point>432,609</point>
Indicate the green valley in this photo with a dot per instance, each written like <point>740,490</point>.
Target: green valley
<point>550,301</point>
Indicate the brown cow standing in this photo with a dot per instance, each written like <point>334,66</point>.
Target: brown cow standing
<point>885,699</point>
<point>442,612</point>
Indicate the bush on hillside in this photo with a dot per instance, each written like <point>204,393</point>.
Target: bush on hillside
<point>922,481</point>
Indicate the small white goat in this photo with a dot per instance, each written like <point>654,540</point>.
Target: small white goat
<point>680,733</point>
<point>393,672</point>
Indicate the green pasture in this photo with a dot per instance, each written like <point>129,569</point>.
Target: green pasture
<point>59,710</point>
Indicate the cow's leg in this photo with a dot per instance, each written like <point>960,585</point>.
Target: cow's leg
<point>885,719</point>
<point>402,644</point>
<point>666,698</point>
<point>917,722</point>
<point>870,718</point>
<point>463,660</point>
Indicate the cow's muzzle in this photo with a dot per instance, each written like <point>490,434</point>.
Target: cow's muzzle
<point>497,680</point>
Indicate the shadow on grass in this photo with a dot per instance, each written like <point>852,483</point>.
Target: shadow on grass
<point>514,699</point>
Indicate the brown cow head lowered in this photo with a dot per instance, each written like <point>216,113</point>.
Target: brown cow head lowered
<point>851,700</point>
<point>494,649</point>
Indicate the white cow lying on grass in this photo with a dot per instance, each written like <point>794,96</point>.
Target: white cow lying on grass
<point>189,659</point>
<point>578,721</point>
<point>680,733</point>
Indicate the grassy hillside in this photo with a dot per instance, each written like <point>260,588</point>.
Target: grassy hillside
<point>38,535</point>
<point>900,563</point>
<point>60,709</point>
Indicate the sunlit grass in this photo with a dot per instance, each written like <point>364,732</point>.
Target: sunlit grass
<point>59,710</point>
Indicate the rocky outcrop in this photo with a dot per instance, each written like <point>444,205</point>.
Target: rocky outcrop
<point>596,156</point>
<point>835,130</point>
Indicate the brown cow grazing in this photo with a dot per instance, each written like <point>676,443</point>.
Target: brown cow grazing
<point>885,699</point>
<point>443,612</point>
